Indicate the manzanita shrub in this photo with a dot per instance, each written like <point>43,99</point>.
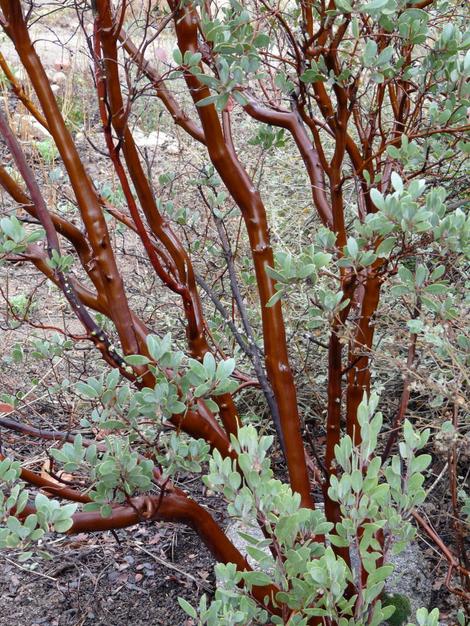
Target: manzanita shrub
<point>373,97</point>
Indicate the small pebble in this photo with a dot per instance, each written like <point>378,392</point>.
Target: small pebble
<point>59,78</point>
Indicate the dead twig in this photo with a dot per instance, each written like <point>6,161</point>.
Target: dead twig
<point>198,582</point>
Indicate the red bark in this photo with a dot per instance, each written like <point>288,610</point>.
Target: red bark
<point>248,199</point>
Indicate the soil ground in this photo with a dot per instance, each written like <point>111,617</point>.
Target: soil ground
<point>101,582</point>
<point>132,577</point>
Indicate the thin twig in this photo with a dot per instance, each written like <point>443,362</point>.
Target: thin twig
<point>30,571</point>
<point>174,567</point>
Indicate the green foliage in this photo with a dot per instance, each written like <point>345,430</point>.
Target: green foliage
<point>267,137</point>
<point>21,305</point>
<point>47,150</point>
<point>23,533</point>
<point>50,348</point>
<point>14,237</point>
<point>116,474</point>
<point>114,195</point>
<point>289,271</point>
<point>237,44</point>
<point>426,618</point>
<point>181,455</point>
<point>373,496</point>
<point>61,263</point>
<point>402,608</point>
<point>465,500</point>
